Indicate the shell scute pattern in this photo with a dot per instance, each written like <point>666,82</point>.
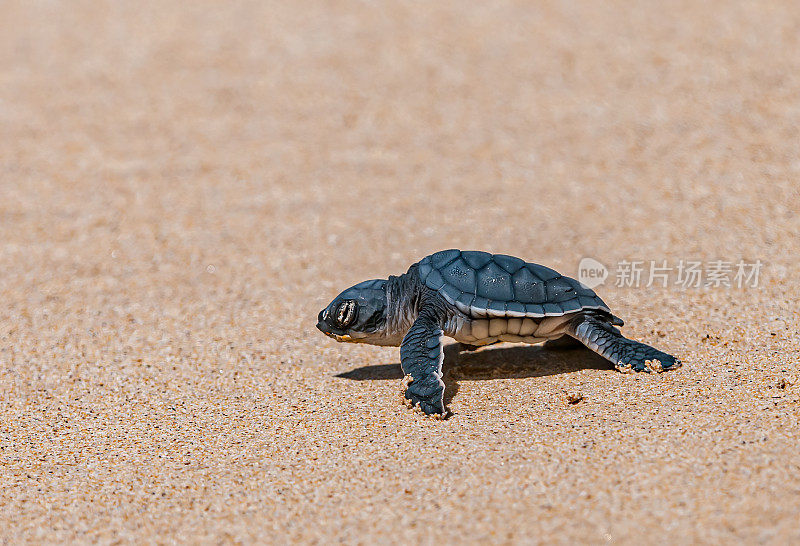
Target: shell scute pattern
<point>544,273</point>
<point>552,309</point>
<point>464,302</point>
<point>509,263</point>
<point>571,305</point>
<point>424,268</point>
<point>560,289</point>
<point>590,301</point>
<point>494,283</point>
<point>476,259</point>
<point>450,293</point>
<point>485,285</point>
<point>515,309</point>
<point>443,258</point>
<point>496,308</point>
<point>434,280</point>
<point>529,288</point>
<point>534,310</point>
<point>462,276</point>
<point>479,306</point>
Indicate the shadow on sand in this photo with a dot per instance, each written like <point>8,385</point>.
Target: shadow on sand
<point>505,362</point>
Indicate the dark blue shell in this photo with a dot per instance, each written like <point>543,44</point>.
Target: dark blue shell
<point>482,284</point>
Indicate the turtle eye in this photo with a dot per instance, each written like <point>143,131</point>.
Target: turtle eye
<point>346,314</point>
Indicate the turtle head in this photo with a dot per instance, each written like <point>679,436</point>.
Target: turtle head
<point>357,315</point>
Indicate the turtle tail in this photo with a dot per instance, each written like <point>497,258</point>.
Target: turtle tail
<point>627,355</point>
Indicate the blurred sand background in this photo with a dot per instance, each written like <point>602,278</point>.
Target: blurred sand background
<point>183,185</point>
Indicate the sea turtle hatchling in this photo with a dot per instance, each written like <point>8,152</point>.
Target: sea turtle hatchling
<point>477,298</point>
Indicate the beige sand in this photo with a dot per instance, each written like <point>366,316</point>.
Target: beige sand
<point>183,187</point>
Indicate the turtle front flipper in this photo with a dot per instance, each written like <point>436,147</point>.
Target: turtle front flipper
<point>626,355</point>
<point>421,357</point>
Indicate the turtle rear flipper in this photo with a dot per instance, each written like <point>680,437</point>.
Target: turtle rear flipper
<point>626,355</point>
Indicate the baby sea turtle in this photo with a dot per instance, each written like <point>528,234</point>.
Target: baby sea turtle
<point>477,298</point>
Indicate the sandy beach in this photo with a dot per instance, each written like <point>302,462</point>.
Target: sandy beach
<point>183,186</point>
